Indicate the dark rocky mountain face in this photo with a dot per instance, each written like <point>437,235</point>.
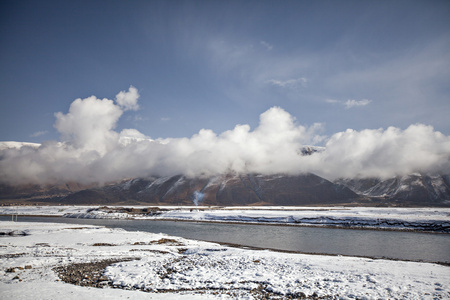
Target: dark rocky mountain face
<point>290,190</point>
<point>242,190</point>
<point>41,192</point>
<point>228,190</point>
<point>414,189</point>
<point>222,190</point>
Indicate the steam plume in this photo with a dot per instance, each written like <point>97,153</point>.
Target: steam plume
<point>198,197</point>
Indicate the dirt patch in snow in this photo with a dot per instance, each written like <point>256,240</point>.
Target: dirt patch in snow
<point>87,274</point>
<point>168,242</point>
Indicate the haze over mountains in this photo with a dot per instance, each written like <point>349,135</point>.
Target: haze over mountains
<point>270,164</point>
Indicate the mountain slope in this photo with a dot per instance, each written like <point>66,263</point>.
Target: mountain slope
<point>248,189</point>
<point>241,190</point>
<point>413,189</point>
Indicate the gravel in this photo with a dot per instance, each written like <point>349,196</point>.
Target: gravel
<point>87,274</point>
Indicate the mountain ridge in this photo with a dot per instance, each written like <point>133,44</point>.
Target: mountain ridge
<point>414,188</point>
<point>241,190</point>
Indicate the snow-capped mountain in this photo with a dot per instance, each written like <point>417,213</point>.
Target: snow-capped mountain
<point>414,188</point>
<point>241,190</point>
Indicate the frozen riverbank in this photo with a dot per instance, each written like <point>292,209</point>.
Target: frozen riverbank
<point>187,269</point>
<point>417,219</point>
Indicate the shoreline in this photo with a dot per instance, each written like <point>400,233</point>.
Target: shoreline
<point>298,225</point>
<point>241,223</point>
<point>61,220</point>
<point>239,246</point>
<point>247,247</point>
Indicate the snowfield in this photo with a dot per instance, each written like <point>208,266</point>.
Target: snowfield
<point>419,219</point>
<point>164,267</point>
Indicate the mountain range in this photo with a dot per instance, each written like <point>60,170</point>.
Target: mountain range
<point>241,190</point>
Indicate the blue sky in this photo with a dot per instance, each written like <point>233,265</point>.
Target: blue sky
<point>215,64</point>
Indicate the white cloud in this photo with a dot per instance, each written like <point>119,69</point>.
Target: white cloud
<point>39,133</point>
<point>92,151</point>
<point>89,124</point>
<point>128,100</point>
<point>352,103</point>
<point>266,45</point>
<point>385,153</point>
<point>349,103</point>
<point>138,118</point>
<point>290,83</point>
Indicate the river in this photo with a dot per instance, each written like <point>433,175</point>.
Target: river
<point>427,247</point>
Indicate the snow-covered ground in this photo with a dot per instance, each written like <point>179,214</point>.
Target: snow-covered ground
<point>56,211</point>
<point>176,268</point>
<point>387,218</point>
<point>428,219</point>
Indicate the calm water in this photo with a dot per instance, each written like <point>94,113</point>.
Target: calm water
<point>371,243</point>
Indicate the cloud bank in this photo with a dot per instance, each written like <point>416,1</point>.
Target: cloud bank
<point>91,150</point>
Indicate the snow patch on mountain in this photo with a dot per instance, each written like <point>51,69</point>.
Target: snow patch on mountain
<point>178,183</point>
<point>158,181</point>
